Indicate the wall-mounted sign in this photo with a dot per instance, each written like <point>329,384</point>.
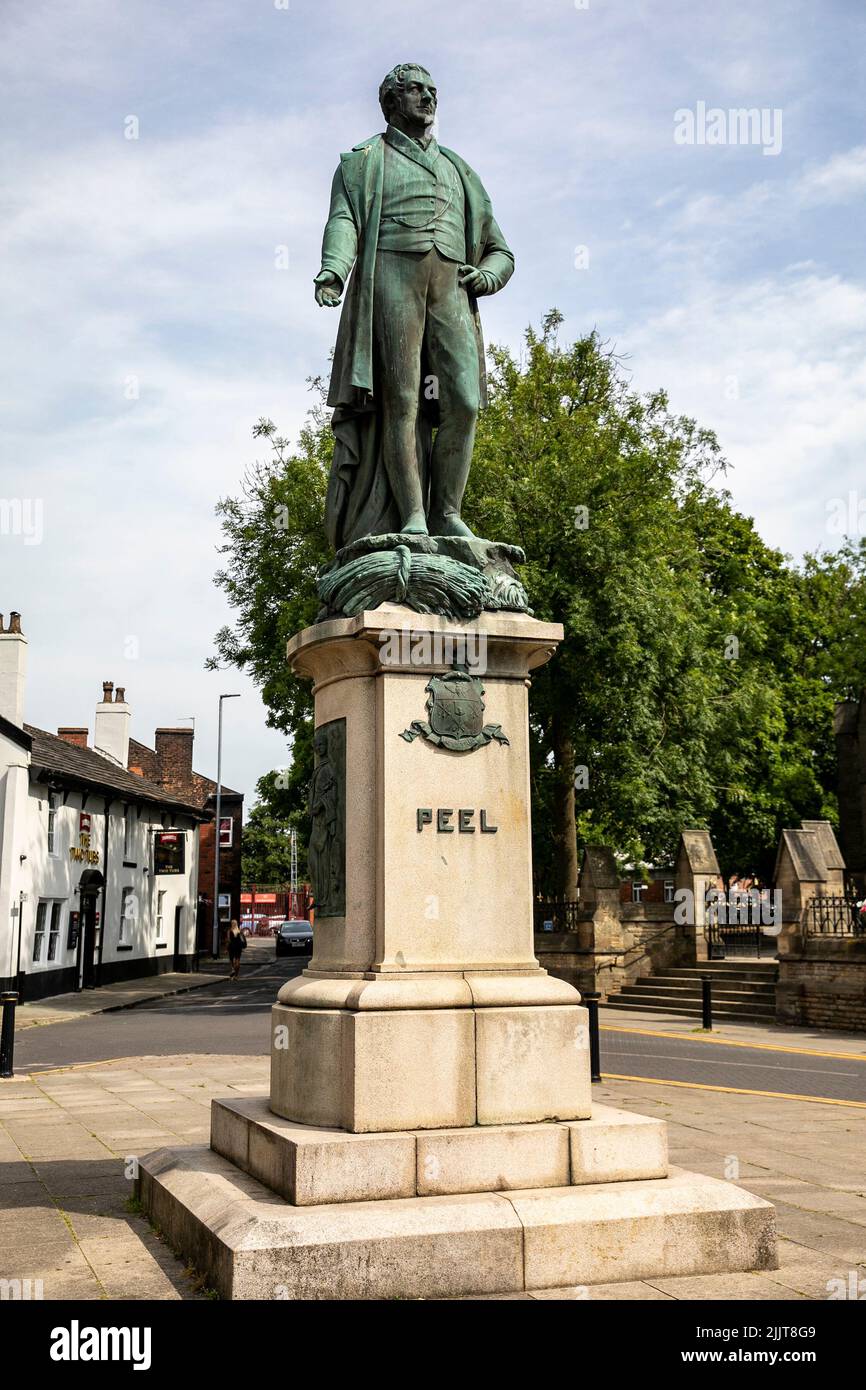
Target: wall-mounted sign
<point>84,822</point>
<point>82,851</point>
<point>72,934</point>
<point>169,852</point>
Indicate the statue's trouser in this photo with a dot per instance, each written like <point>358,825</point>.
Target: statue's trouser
<point>420,309</point>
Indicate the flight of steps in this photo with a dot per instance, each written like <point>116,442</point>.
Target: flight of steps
<point>741,990</point>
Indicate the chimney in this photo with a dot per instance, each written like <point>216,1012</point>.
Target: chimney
<point>78,737</point>
<point>174,758</point>
<point>13,669</point>
<point>111,730</point>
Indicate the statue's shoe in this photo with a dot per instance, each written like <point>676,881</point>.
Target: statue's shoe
<point>416,525</point>
<point>450,525</point>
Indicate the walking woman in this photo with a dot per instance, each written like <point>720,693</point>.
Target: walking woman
<point>237,944</point>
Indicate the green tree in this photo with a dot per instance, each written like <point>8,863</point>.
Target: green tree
<point>696,681</point>
<point>590,478</point>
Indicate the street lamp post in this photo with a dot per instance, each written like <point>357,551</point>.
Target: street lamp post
<point>216,868</point>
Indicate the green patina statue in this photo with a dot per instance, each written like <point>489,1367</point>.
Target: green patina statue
<point>413,225</point>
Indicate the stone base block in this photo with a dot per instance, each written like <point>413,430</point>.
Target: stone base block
<point>250,1245</point>
<point>368,1071</point>
<point>310,1166</point>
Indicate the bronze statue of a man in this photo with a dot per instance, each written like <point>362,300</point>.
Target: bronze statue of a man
<point>415,222</point>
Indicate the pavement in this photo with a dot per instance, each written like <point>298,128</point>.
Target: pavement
<point>126,994</point>
<point>70,1138</point>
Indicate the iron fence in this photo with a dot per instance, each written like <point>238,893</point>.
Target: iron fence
<point>556,914</point>
<point>833,916</point>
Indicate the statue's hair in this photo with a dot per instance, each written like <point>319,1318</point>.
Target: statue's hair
<point>394,82</point>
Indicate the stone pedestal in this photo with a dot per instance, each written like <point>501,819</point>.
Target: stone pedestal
<point>430,1131</point>
<point>424,1005</point>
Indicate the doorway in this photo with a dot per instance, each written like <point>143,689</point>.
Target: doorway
<point>90,886</point>
<point>87,972</point>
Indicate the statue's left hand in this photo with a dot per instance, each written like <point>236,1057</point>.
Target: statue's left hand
<point>473,279</point>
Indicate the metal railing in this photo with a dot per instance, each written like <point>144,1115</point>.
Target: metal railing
<point>561,912</point>
<point>833,916</point>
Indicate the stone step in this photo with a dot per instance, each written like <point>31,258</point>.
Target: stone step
<point>685,996</point>
<point>734,1012</point>
<point>248,1244</point>
<point>729,986</point>
<point>727,995</point>
<point>715,968</point>
<point>310,1166</point>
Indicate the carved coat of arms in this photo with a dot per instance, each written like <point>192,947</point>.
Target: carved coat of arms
<point>455,715</point>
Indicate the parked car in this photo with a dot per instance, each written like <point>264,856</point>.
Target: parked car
<point>294,938</point>
<point>253,926</point>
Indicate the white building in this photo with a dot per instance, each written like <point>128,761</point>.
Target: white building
<point>98,866</point>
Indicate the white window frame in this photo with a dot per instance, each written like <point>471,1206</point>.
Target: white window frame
<point>125,894</point>
<point>54,932</point>
<point>638,888</point>
<point>226,844</point>
<point>670,890</point>
<point>160,919</point>
<point>39,932</point>
<point>128,829</point>
<point>51,837</point>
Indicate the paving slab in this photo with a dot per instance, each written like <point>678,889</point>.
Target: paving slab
<point>812,1166</point>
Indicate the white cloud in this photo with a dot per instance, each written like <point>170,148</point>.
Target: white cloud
<point>838,180</point>
<point>778,368</point>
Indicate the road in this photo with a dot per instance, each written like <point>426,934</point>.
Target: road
<point>706,1062</point>
<point>232,1018</point>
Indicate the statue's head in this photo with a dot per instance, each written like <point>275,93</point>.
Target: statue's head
<point>408,90</point>
<point>320,743</point>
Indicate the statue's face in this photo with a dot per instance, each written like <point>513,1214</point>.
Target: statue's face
<point>416,100</point>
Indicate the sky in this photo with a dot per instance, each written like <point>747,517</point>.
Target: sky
<point>165,179</point>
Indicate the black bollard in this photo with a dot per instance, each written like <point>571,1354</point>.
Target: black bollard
<point>591,1001</point>
<point>707,1001</point>
<point>8,1000</point>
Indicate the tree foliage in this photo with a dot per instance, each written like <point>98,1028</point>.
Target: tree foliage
<point>696,680</point>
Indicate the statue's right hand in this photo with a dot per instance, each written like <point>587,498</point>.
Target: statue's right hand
<point>329,288</point>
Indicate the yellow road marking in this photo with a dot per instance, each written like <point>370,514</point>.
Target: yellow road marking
<point>729,1042</point>
<point>733,1090</point>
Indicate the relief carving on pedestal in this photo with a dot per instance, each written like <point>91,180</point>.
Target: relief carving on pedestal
<point>327,851</point>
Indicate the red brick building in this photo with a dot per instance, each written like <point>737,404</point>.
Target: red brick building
<point>169,764</point>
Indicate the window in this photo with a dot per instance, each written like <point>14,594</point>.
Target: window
<point>637,891</point>
<point>54,930</point>
<point>128,831</point>
<point>128,913</point>
<point>52,822</point>
<point>226,828</point>
<point>160,924</point>
<point>669,890</point>
<point>39,934</point>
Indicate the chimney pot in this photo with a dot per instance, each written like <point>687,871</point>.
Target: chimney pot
<point>107,687</point>
<point>120,695</point>
<point>15,622</point>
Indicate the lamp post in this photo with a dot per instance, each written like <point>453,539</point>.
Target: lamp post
<point>216,868</point>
